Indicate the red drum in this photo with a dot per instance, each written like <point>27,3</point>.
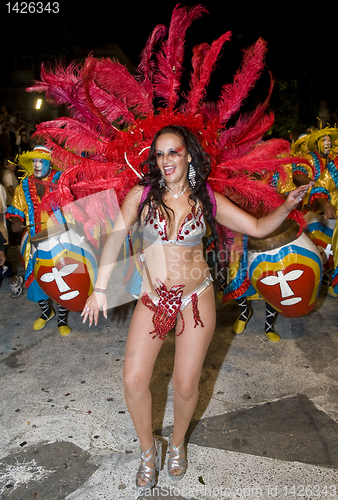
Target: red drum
<point>286,270</point>
<point>64,266</point>
<point>320,231</point>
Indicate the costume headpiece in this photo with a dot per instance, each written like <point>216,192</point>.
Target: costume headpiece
<point>25,160</point>
<point>300,145</point>
<point>318,133</point>
<point>113,118</point>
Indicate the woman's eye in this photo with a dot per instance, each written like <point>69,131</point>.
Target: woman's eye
<point>173,152</point>
<point>158,154</point>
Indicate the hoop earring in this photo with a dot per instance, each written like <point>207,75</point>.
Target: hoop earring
<point>192,175</point>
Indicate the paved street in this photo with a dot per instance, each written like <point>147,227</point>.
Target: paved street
<point>265,426</point>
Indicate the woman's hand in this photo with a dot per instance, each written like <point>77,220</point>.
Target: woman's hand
<point>296,196</point>
<point>96,302</point>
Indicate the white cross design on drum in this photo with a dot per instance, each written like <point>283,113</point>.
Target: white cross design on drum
<point>58,275</point>
<point>327,252</point>
<point>282,280</point>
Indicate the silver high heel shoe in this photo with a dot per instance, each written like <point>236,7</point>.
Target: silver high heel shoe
<point>176,461</point>
<point>153,456</point>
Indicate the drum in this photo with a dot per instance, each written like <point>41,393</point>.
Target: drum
<point>64,266</point>
<point>132,275</point>
<point>320,231</point>
<point>286,270</point>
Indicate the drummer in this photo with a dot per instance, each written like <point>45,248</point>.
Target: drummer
<point>26,208</point>
<point>324,195</point>
<point>318,144</point>
<point>324,200</point>
<point>240,287</point>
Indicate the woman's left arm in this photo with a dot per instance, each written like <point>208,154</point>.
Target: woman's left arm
<point>234,218</point>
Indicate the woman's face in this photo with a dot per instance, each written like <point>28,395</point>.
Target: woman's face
<point>172,158</point>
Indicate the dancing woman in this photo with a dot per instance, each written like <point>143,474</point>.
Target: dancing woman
<point>173,204</point>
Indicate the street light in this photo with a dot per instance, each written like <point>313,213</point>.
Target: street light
<point>38,104</point>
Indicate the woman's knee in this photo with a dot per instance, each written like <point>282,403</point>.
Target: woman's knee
<point>185,389</point>
<point>134,383</point>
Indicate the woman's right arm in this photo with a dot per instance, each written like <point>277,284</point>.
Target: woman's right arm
<point>125,220</point>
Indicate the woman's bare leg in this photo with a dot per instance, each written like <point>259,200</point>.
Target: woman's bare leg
<point>190,351</point>
<point>140,356</point>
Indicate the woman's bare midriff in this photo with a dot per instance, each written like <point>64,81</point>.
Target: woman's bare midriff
<point>174,265</point>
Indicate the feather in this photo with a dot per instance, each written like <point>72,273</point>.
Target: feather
<point>233,95</point>
<point>147,66</point>
<point>93,96</point>
<point>170,57</point>
<point>116,80</point>
<point>204,61</point>
<point>74,135</point>
<point>199,52</point>
<point>61,88</point>
<point>249,127</point>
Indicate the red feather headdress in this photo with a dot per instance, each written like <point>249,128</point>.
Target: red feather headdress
<point>113,120</point>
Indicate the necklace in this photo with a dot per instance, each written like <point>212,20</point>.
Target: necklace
<point>178,194</point>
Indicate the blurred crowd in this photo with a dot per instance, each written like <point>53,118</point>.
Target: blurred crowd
<point>15,135</point>
<point>15,139</point>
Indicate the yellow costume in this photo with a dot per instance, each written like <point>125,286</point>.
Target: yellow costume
<point>26,206</point>
<point>317,159</point>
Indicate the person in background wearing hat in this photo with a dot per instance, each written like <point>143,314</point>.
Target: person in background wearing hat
<point>25,207</point>
<point>324,195</point>
<point>318,143</point>
<point>240,288</point>
<point>324,199</point>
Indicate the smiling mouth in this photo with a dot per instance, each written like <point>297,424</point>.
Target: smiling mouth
<point>169,170</point>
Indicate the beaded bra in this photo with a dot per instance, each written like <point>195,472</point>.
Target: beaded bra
<point>190,233</point>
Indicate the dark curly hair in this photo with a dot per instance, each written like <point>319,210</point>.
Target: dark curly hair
<point>201,163</point>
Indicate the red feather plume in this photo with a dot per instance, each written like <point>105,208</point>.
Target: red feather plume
<point>170,57</point>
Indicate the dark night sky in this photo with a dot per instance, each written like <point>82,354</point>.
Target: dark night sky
<point>298,41</point>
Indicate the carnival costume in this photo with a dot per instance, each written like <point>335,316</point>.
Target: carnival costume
<point>26,206</point>
<point>105,140</point>
<point>113,120</point>
<point>316,163</point>
<point>240,287</point>
<point>326,187</point>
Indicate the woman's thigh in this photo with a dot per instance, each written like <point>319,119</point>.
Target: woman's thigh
<point>192,345</point>
<point>141,348</point>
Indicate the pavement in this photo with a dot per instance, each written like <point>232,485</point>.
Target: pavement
<point>266,425</point>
